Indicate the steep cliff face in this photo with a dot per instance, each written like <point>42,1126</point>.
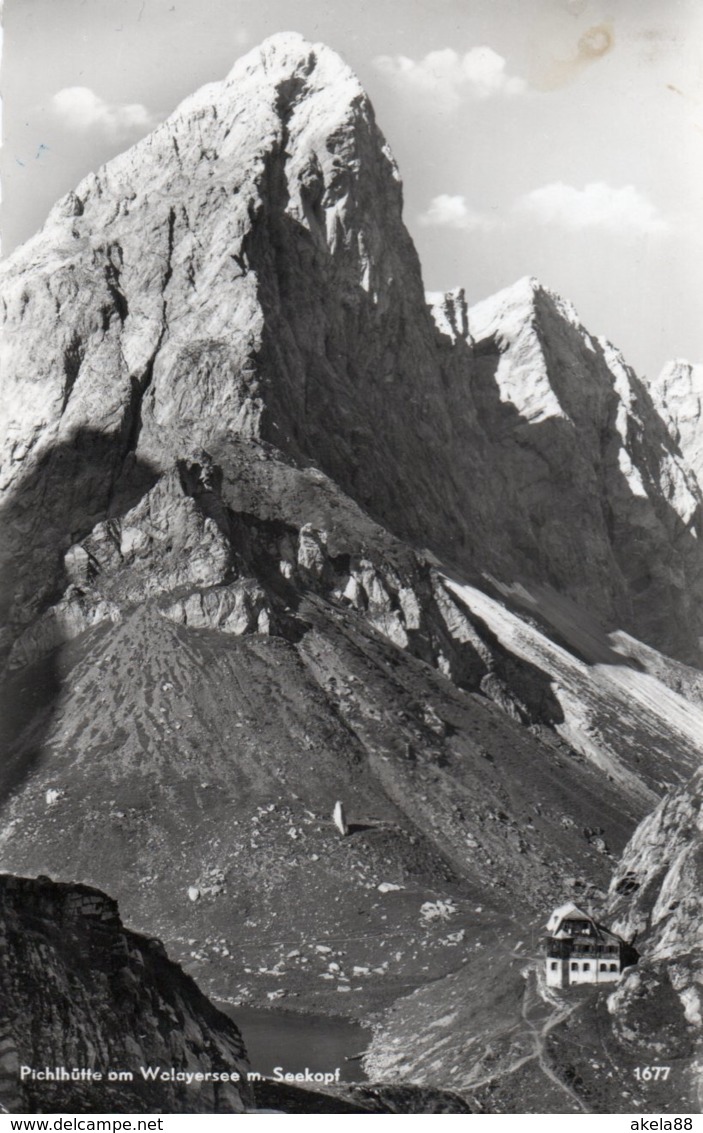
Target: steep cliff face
<point>678,394</point>
<point>244,272</point>
<point>654,889</point>
<point>243,276</point>
<point>82,993</point>
<point>596,490</point>
<point>656,895</point>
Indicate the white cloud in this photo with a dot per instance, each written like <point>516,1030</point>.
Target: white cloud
<point>597,205</point>
<point>448,76</point>
<point>446,211</point>
<point>80,108</point>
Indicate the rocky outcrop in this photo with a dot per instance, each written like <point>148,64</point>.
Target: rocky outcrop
<point>655,896</point>
<point>83,995</point>
<point>655,888</point>
<point>244,569</point>
<point>678,395</point>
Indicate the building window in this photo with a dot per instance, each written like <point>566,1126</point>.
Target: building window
<point>574,967</point>
<point>553,965</point>
<point>586,967</point>
<point>604,967</point>
<point>613,967</point>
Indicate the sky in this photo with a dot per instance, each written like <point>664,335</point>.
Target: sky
<point>556,138</point>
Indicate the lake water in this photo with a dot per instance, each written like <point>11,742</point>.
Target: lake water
<point>294,1042</point>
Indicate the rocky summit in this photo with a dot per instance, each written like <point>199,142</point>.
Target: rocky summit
<point>278,535</point>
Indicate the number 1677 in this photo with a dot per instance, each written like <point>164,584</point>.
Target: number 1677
<point>652,1073</point>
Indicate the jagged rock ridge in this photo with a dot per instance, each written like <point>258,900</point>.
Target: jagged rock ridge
<point>79,991</point>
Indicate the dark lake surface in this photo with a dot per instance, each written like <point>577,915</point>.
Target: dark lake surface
<point>294,1042</point>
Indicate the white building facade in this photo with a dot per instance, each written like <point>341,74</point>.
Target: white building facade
<point>580,951</point>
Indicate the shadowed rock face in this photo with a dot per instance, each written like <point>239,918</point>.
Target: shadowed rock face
<point>81,991</point>
<point>677,393</point>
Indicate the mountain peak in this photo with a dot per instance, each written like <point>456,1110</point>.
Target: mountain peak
<point>449,311</point>
<point>677,393</point>
<point>681,368</point>
<point>517,305</point>
<point>288,55</point>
